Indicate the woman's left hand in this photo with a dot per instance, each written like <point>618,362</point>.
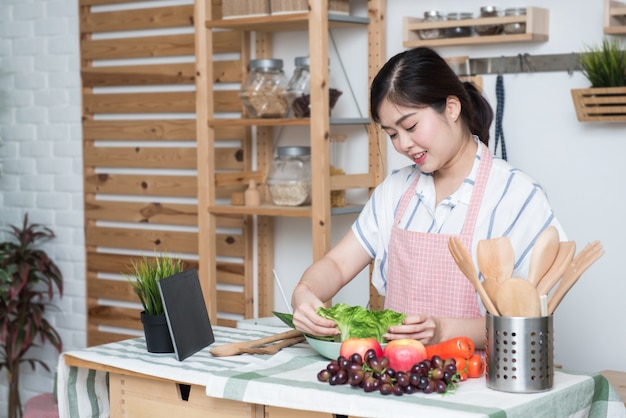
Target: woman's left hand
<point>422,327</point>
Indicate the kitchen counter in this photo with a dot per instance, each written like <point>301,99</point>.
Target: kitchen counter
<point>274,386</point>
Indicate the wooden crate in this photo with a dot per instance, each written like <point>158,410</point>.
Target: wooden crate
<point>245,8</point>
<point>600,104</point>
<point>302,6</point>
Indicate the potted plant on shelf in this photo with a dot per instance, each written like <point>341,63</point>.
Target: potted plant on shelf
<point>604,66</point>
<point>28,278</point>
<point>144,281</point>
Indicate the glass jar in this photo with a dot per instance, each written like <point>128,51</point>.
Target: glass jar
<point>264,91</point>
<point>299,89</point>
<point>459,31</point>
<point>289,178</point>
<point>436,33</point>
<point>485,30</point>
<point>515,27</point>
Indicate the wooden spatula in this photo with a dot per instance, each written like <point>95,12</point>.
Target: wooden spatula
<point>543,253</point>
<point>518,297</point>
<point>564,257</point>
<point>255,346</point>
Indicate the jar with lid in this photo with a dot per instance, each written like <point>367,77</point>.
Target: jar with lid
<point>289,178</point>
<point>460,30</point>
<point>515,27</point>
<point>436,33</point>
<point>264,91</point>
<point>485,30</point>
<point>299,89</point>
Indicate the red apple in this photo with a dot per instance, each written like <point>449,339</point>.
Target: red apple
<point>360,345</point>
<point>404,353</point>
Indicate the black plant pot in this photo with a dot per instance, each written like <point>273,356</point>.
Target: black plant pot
<point>157,334</point>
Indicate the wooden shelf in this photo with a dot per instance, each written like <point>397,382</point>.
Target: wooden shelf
<point>600,104</point>
<point>284,23</point>
<point>614,18</point>
<point>285,211</point>
<point>536,21</point>
<point>282,122</point>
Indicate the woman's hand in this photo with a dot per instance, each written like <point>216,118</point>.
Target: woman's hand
<point>422,327</point>
<point>305,317</point>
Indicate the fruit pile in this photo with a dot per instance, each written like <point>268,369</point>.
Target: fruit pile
<point>372,373</point>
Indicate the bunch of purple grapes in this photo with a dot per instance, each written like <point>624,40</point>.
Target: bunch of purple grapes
<point>372,373</point>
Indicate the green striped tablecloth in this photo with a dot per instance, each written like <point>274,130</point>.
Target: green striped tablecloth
<point>288,379</point>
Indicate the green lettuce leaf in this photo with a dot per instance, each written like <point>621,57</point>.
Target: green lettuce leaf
<point>356,321</point>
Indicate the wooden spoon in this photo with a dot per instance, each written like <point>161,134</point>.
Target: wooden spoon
<point>233,349</point>
<point>589,255</point>
<point>518,297</point>
<point>463,259</point>
<point>495,260</point>
<point>564,257</point>
<point>543,253</point>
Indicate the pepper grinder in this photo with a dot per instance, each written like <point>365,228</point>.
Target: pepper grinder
<point>252,197</point>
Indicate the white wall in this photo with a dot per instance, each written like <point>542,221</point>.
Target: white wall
<point>578,163</point>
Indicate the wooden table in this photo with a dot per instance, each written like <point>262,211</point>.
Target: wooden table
<point>284,385</point>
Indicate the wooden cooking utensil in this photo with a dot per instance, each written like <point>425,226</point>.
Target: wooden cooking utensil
<point>543,253</point>
<point>518,297</point>
<point>496,258</point>
<point>256,346</point>
<point>564,257</point>
<point>495,261</point>
<point>589,255</point>
<point>463,260</point>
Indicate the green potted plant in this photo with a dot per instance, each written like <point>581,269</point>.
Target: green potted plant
<point>28,278</point>
<point>144,281</point>
<point>604,65</point>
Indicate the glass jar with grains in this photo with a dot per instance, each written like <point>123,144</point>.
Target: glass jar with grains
<point>289,178</point>
<point>299,89</point>
<point>436,33</point>
<point>460,30</point>
<point>515,27</point>
<point>485,30</point>
<point>264,91</point>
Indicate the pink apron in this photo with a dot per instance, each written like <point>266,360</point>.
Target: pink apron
<point>423,277</point>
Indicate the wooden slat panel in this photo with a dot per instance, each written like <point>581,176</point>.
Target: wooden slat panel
<point>230,302</point>
<point>141,212</point>
<point>229,245</point>
<point>139,75</point>
<point>142,239</point>
<point>137,47</point>
<point>223,322</point>
<point>225,101</point>
<point>136,130</point>
<point>141,185</point>
<point>140,157</point>
<point>113,316</point>
<point>119,290</point>
<point>117,103</point>
<point>150,130</point>
<point>121,263</point>
<point>96,337</point>
<point>102,2</point>
<point>137,19</point>
<point>155,46</point>
<point>227,72</point>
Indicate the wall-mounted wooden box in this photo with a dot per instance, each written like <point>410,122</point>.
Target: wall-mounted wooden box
<point>600,104</point>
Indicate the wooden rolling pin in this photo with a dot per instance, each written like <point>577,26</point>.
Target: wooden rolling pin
<point>256,346</point>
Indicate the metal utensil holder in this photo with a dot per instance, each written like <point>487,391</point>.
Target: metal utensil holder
<point>520,354</point>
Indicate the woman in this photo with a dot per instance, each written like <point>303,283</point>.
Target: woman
<point>453,188</point>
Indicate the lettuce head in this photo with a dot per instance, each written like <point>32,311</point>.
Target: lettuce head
<point>356,321</point>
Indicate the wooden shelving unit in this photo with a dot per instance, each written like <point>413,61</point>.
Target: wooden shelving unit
<point>257,36</point>
<point>536,21</point>
<point>614,17</point>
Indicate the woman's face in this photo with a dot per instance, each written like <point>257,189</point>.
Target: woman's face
<point>429,139</point>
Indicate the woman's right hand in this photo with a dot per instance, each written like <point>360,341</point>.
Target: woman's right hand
<point>305,317</point>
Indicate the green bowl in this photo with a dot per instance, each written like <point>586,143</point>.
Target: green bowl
<point>328,349</point>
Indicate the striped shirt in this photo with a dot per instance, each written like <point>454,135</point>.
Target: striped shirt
<point>514,205</point>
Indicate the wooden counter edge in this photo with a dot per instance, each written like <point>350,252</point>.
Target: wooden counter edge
<point>70,360</point>
<point>618,381</point>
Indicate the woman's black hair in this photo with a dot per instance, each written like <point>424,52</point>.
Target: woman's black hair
<point>420,77</point>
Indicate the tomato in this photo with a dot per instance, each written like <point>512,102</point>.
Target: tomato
<point>475,366</point>
<point>404,353</point>
<point>360,345</point>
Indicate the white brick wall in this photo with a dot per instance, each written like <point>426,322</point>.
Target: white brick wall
<point>40,150</point>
